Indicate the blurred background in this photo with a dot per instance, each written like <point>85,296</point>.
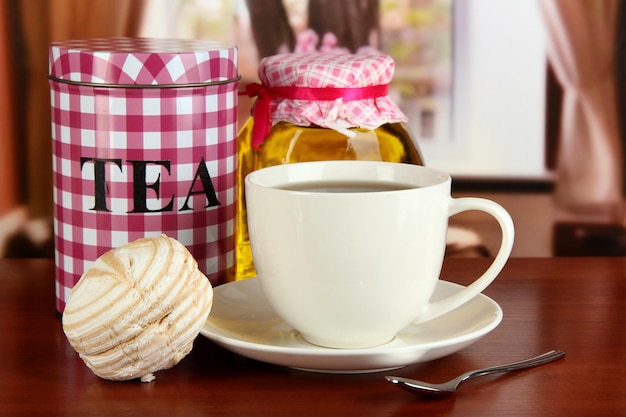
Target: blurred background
<point>521,101</point>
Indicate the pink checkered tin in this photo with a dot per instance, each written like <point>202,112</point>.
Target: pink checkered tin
<point>144,143</point>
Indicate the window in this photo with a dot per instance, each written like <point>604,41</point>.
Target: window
<point>470,75</point>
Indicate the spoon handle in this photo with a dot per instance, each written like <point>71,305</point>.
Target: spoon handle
<point>513,366</point>
<point>447,388</point>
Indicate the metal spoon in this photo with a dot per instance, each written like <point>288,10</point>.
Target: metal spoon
<point>446,388</point>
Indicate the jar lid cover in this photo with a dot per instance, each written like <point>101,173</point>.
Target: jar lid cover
<point>142,61</point>
<point>331,70</point>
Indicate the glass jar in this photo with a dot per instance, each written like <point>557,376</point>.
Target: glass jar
<point>314,107</point>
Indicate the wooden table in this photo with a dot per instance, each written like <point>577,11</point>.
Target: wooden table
<point>574,304</point>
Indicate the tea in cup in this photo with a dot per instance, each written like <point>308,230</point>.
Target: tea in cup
<point>348,253</point>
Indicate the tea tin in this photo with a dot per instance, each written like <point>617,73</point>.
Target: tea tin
<point>144,143</point>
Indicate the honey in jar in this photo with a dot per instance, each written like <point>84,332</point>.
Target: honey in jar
<point>313,107</point>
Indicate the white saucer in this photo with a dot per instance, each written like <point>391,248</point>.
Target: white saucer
<point>242,321</point>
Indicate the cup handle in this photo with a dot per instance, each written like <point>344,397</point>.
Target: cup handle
<point>456,206</point>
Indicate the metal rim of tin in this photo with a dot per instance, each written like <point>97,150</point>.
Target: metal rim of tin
<point>91,84</point>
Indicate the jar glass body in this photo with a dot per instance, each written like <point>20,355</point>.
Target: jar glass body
<point>289,143</point>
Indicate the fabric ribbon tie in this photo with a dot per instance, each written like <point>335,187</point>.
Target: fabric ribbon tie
<point>261,111</point>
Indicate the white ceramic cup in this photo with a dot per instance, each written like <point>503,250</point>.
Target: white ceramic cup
<point>351,269</point>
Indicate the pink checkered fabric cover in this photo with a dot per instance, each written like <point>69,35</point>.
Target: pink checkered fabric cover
<point>320,70</point>
<point>131,162</point>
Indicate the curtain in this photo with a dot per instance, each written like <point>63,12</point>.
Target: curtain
<point>55,20</point>
<point>581,49</point>
<point>26,30</point>
<point>8,152</point>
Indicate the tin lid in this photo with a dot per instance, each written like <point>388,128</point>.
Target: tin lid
<point>142,62</point>
<point>324,71</point>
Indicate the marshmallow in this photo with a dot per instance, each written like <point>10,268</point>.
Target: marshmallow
<point>138,309</point>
